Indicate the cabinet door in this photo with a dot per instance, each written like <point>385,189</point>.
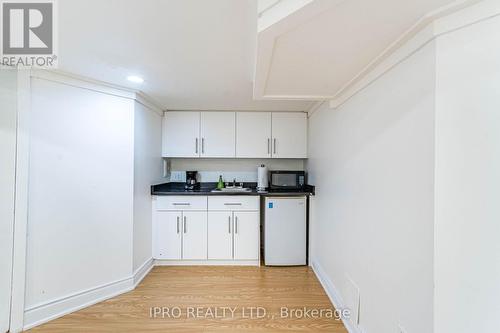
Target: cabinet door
<point>220,235</point>
<point>246,235</point>
<point>194,237</point>
<point>181,134</point>
<point>253,134</point>
<point>218,134</point>
<point>289,135</point>
<point>168,235</point>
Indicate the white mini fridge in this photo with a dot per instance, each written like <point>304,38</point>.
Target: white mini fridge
<point>285,231</point>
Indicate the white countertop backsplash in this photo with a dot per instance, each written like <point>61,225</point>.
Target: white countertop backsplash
<point>241,169</point>
<point>213,176</point>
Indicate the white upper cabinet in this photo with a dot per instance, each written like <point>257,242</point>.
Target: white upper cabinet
<point>181,134</point>
<point>289,135</point>
<point>253,134</point>
<point>218,134</point>
<point>235,134</point>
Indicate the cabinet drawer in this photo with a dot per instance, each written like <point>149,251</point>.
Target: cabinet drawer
<point>181,203</point>
<point>233,203</point>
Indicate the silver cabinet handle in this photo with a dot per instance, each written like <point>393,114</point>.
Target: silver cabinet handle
<point>229,223</point>
<point>236,224</point>
<point>268,145</point>
<point>196,146</point>
<point>232,204</point>
<point>181,204</point>
<point>274,145</point>
<point>203,145</point>
<point>177,224</point>
<point>185,225</point>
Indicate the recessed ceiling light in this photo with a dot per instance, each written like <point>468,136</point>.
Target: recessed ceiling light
<point>135,79</point>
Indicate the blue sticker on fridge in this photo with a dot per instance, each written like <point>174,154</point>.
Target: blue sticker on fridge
<point>270,205</point>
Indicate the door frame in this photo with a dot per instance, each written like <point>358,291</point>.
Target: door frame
<point>20,201</point>
<point>10,178</point>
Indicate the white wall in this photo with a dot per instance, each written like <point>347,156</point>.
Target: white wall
<point>8,96</point>
<point>372,161</point>
<point>80,196</point>
<point>467,255</point>
<point>148,170</point>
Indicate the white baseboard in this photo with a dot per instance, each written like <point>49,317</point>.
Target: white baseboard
<point>141,272</point>
<point>332,293</point>
<point>51,310</point>
<point>42,313</point>
<point>160,262</point>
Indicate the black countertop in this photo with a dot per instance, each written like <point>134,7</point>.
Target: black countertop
<point>206,188</point>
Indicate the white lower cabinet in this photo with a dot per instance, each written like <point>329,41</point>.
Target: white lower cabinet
<point>220,235</point>
<point>218,229</point>
<point>246,235</point>
<point>194,235</point>
<point>180,228</point>
<point>233,233</point>
<point>181,235</point>
<point>168,235</point>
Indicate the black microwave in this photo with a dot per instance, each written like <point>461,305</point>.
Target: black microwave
<point>287,180</point>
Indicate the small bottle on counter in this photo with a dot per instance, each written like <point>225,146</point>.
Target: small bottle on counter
<point>220,184</point>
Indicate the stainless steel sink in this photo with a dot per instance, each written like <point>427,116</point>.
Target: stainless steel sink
<point>232,189</point>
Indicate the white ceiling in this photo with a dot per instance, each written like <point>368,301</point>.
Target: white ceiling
<point>315,51</point>
<point>192,54</point>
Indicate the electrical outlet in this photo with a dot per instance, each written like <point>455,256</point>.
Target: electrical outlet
<point>401,329</point>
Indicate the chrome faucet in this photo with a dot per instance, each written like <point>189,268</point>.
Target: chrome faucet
<point>233,185</point>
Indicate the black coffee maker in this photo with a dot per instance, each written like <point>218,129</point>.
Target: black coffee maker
<point>191,181</point>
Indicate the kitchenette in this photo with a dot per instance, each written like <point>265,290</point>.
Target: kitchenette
<point>332,165</point>
<point>247,203</point>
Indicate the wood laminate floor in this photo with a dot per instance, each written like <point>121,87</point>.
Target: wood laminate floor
<point>202,294</point>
